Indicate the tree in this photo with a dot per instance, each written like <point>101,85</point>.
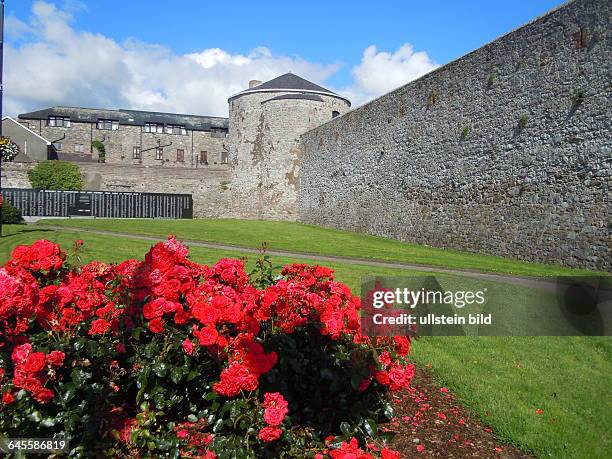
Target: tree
<point>55,175</point>
<point>98,145</point>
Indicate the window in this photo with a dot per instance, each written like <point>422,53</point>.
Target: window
<point>224,157</point>
<point>177,130</point>
<point>153,127</point>
<point>58,121</point>
<point>136,152</point>
<point>180,156</point>
<point>218,133</point>
<point>159,153</point>
<point>108,125</point>
<point>204,157</point>
<point>57,146</point>
<point>79,148</point>
<point>335,114</point>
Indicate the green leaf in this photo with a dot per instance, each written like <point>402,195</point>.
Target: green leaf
<point>370,427</point>
<point>356,381</point>
<point>92,348</point>
<point>215,405</point>
<point>151,350</point>
<point>79,376</point>
<point>136,333</point>
<point>79,344</point>
<point>388,411</point>
<point>160,369</point>
<point>141,383</point>
<point>192,418</point>
<point>175,374</point>
<point>48,422</point>
<point>143,377</point>
<point>337,443</point>
<point>345,428</point>
<point>218,425</point>
<point>211,396</point>
<point>69,390</point>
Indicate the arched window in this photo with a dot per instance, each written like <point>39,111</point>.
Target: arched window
<point>335,113</point>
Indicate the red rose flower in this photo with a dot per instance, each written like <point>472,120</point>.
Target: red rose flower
<point>235,378</point>
<point>276,408</point>
<point>269,434</point>
<point>99,327</point>
<point>153,309</point>
<point>187,347</point>
<point>181,317</point>
<point>35,362</point>
<point>56,358</point>
<point>364,384</point>
<point>207,336</point>
<point>43,395</point>
<point>21,353</point>
<point>156,325</point>
<point>7,398</point>
<point>387,453</point>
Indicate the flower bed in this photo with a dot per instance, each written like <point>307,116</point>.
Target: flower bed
<point>168,358</point>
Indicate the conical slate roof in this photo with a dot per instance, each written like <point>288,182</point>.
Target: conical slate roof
<point>289,83</point>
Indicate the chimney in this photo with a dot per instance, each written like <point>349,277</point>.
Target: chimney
<point>254,83</point>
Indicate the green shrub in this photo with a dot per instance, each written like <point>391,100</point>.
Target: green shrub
<point>55,175</point>
<point>98,145</point>
<point>168,358</point>
<point>10,214</point>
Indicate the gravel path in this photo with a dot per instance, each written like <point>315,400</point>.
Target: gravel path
<point>509,278</point>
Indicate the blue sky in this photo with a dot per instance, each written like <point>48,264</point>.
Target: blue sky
<point>324,40</point>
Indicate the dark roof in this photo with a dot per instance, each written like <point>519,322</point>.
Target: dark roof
<point>301,96</point>
<point>288,82</point>
<point>131,117</point>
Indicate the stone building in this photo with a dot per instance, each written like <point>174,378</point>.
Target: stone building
<point>132,137</point>
<point>265,124</point>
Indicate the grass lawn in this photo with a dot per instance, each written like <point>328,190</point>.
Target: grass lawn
<point>503,380</point>
<point>298,237</point>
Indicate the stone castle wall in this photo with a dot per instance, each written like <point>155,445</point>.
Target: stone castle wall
<point>265,150</point>
<point>209,186</point>
<point>506,151</point>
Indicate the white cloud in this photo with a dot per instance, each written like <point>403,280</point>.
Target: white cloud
<point>52,63</point>
<point>379,72</point>
<point>59,65</point>
<point>16,29</point>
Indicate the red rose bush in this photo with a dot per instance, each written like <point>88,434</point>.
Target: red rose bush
<point>168,358</point>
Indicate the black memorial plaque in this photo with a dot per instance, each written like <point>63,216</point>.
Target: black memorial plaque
<point>81,207</point>
<point>109,204</point>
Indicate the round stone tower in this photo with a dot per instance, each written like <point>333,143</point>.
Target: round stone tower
<point>265,125</point>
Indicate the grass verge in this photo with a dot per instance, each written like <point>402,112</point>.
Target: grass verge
<point>299,237</point>
<point>502,380</point>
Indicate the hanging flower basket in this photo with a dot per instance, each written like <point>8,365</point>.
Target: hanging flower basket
<point>8,149</point>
